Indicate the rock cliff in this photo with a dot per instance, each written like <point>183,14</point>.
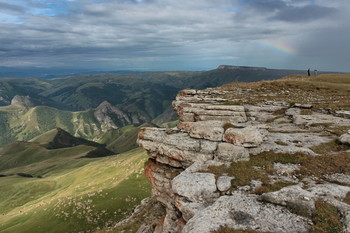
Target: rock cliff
<point>265,157</point>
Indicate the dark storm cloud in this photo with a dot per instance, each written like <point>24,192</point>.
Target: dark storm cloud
<point>306,13</point>
<point>291,11</point>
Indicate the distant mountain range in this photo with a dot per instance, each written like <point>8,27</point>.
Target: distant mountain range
<point>93,105</point>
<point>49,73</point>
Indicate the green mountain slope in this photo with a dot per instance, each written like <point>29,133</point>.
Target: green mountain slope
<point>46,152</point>
<point>75,196</point>
<point>18,123</point>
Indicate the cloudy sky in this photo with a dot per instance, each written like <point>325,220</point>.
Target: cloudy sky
<point>175,34</point>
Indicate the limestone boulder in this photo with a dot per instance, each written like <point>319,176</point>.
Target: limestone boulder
<point>224,183</point>
<point>210,130</point>
<point>345,138</point>
<point>196,187</point>
<point>292,196</point>
<point>231,153</point>
<point>208,146</point>
<point>247,137</point>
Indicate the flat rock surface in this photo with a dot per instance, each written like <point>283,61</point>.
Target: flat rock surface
<point>196,187</point>
<point>241,211</point>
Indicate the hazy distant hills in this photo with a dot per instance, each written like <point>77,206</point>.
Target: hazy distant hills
<point>89,106</point>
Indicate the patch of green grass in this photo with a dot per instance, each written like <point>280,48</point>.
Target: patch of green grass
<point>271,187</point>
<point>326,219</point>
<point>305,111</point>
<point>280,112</point>
<point>226,229</point>
<point>329,147</point>
<point>320,166</point>
<point>338,130</point>
<point>151,213</point>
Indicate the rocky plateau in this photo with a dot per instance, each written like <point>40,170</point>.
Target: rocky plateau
<point>264,165</point>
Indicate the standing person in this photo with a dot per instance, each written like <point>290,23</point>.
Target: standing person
<point>315,73</point>
<point>308,72</point>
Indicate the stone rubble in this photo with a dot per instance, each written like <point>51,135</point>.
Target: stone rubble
<point>214,131</point>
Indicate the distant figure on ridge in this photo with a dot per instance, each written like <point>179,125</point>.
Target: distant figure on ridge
<point>315,73</point>
<point>308,72</point>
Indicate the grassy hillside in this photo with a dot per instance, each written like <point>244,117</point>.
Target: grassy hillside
<point>74,196</point>
<point>47,152</point>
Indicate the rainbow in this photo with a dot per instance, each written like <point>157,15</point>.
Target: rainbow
<point>278,46</point>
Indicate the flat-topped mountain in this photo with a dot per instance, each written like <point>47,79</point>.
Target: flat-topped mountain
<point>228,67</point>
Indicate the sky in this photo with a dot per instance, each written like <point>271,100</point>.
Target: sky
<point>175,34</point>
